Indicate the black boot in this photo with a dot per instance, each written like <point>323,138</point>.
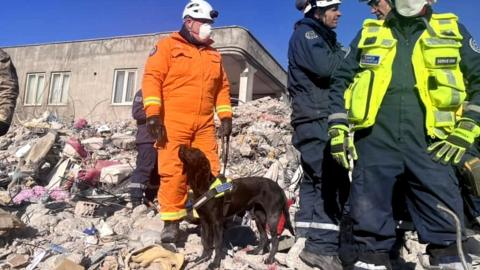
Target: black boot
<point>323,262</point>
<point>447,257</point>
<point>170,231</point>
<point>368,261</point>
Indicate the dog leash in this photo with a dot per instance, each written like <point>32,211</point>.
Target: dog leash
<point>225,150</point>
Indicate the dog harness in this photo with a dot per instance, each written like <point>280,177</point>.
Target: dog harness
<point>219,188</point>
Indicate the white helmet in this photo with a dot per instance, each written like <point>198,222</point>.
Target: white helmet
<point>320,3</point>
<point>199,9</point>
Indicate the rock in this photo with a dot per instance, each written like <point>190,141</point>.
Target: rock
<point>246,150</point>
<point>150,237</point>
<point>139,211</point>
<point>9,222</point>
<point>123,141</point>
<point>17,260</point>
<point>67,264</point>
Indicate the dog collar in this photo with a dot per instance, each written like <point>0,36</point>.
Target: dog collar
<point>217,190</point>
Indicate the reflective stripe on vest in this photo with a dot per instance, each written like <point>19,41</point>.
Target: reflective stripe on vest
<point>436,59</point>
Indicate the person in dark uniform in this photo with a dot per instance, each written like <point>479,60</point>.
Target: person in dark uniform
<point>313,55</point>
<point>399,89</point>
<point>145,177</point>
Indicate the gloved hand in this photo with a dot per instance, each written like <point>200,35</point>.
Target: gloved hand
<point>456,143</point>
<point>156,129</point>
<point>341,145</point>
<point>4,128</point>
<point>226,127</point>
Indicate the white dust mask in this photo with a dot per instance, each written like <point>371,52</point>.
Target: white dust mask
<point>205,31</point>
<point>409,8</point>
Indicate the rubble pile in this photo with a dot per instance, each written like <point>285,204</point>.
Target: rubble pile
<point>63,188</point>
<point>65,202</point>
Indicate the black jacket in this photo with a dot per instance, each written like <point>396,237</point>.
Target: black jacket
<point>313,54</point>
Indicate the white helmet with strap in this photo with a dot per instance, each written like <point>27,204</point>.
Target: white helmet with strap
<point>309,4</point>
<point>199,9</point>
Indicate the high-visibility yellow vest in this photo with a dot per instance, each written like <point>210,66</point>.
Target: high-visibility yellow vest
<point>435,60</point>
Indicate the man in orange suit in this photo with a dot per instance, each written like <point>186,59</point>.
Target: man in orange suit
<point>183,84</point>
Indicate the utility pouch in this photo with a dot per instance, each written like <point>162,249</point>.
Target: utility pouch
<point>358,96</point>
<point>441,53</point>
<point>446,88</point>
<point>471,175</point>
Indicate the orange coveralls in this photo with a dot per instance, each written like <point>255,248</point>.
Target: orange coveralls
<point>183,84</point>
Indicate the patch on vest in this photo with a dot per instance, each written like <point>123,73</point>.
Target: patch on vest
<point>138,99</point>
<point>442,61</point>
<point>474,45</point>
<point>153,51</point>
<point>311,35</point>
<point>372,60</point>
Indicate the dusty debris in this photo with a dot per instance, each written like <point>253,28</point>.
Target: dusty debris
<point>85,209</point>
<point>90,164</point>
<point>67,264</point>
<point>9,222</point>
<point>17,260</point>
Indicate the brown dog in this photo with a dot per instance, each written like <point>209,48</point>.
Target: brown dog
<point>262,196</point>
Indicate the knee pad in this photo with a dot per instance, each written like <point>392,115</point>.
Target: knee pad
<point>471,175</point>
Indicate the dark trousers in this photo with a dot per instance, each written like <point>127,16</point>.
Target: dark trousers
<point>145,177</point>
<point>323,190</point>
<point>427,184</point>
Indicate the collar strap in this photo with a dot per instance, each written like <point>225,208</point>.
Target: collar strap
<point>217,190</point>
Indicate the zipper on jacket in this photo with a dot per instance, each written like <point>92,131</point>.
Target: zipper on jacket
<point>369,95</point>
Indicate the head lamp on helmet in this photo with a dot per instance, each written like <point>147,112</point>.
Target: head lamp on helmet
<point>199,9</point>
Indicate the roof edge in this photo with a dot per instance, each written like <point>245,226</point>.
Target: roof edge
<point>148,35</point>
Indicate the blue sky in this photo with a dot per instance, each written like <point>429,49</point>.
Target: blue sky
<point>270,21</point>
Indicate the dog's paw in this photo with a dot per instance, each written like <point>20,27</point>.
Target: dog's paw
<point>213,265</point>
<point>204,257</point>
<point>270,260</point>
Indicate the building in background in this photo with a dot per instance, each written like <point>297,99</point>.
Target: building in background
<point>97,79</point>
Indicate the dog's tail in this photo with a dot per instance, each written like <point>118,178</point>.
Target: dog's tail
<point>288,223</point>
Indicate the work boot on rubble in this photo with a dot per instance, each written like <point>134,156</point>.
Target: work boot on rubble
<point>448,257</point>
<point>371,261</point>
<point>472,247</point>
<point>170,231</point>
<point>323,262</point>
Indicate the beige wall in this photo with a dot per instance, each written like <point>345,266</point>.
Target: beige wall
<point>92,64</point>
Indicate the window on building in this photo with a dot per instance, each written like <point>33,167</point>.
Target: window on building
<point>59,84</point>
<point>124,86</point>
<point>34,89</point>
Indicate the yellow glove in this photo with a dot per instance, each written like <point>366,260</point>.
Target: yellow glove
<point>341,145</point>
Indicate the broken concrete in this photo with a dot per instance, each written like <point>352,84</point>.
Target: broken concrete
<point>260,145</point>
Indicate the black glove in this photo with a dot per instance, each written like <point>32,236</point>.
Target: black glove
<point>4,128</point>
<point>226,127</point>
<point>156,129</point>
